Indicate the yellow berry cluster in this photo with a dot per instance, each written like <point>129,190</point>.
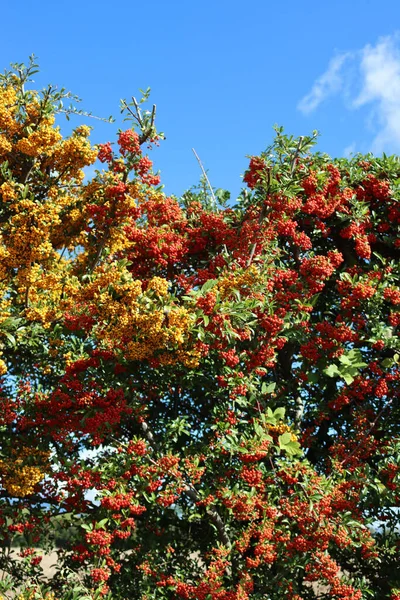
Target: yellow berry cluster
<point>277,430</point>
<point>40,141</point>
<point>8,109</point>
<point>141,323</point>
<point>240,280</point>
<point>25,468</point>
<point>33,594</point>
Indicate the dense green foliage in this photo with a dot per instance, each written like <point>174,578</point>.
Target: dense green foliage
<point>205,394</point>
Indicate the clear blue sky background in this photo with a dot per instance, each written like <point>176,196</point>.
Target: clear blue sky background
<point>222,72</point>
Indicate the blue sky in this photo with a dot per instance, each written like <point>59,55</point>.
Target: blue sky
<point>222,73</point>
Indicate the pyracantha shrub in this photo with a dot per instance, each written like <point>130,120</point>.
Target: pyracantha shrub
<point>201,399</point>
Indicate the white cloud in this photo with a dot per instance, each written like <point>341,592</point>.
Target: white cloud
<point>327,84</point>
<point>380,73</point>
<point>374,71</point>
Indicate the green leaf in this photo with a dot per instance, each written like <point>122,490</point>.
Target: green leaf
<point>353,523</point>
<point>10,338</point>
<point>208,285</point>
<point>268,388</point>
<point>279,413</point>
<point>195,517</point>
<point>345,360</point>
<point>387,333</point>
<point>332,371</point>
<point>387,362</point>
<point>285,439</point>
<point>258,429</point>
<point>101,524</point>
<point>347,377</point>
<point>313,377</point>
<point>292,448</point>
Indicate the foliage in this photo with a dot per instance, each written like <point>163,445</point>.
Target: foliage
<point>205,396</point>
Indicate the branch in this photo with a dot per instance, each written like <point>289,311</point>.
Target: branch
<point>99,252</point>
<point>298,415</point>
<point>146,130</point>
<point>361,444</point>
<point>138,115</point>
<point>263,211</point>
<point>31,498</point>
<point>150,129</point>
<point>295,155</point>
<point>105,238</point>
<point>149,435</point>
<point>153,116</point>
<point>192,493</point>
<point>261,216</point>
<point>27,170</point>
<point>323,442</point>
<point>213,515</point>
<point>205,176</point>
<point>285,361</point>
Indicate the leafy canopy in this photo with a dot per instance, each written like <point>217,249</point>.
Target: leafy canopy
<point>205,395</point>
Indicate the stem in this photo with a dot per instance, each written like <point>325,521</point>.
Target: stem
<point>361,444</point>
<point>215,518</point>
<point>254,246</point>
<point>192,493</point>
<point>205,176</point>
<point>295,155</point>
<point>99,252</point>
<point>27,296</point>
<point>138,115</point>
<point>146,130</point>
<point>148,434</point>
<point>298,417</point>
<point>105,238</point>
<point>261,216</point>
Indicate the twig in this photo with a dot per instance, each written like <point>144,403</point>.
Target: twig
<point>361,444</point>
<point>295,155</point>
<point>260,220</point>
<point>27,296</point>
<point>213,516</point>
<point>146,133</point>
<point>153,116</point>
<point>145,128</point>
<point>205,176</point>
<point>189,490</point>
<point>148,434</point>
<point>82,113</point>
<point>299,411</point>
<point>127,107</point>
<point>138,111</point>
